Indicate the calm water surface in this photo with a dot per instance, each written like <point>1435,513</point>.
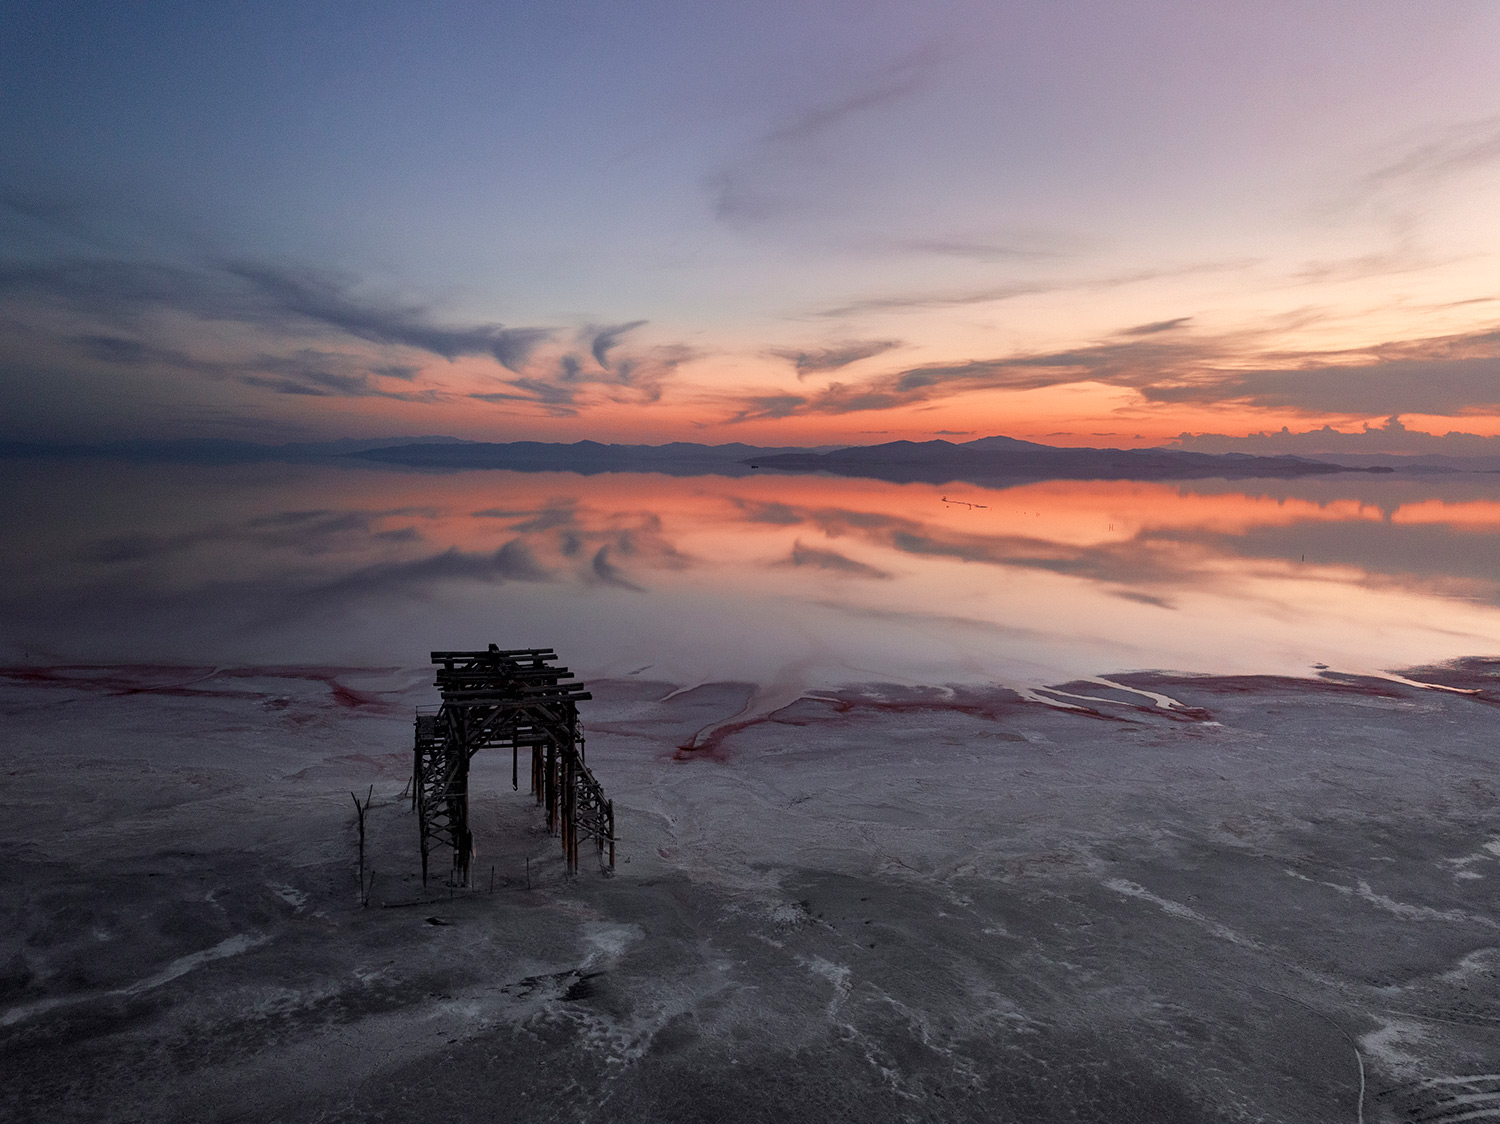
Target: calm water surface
<point>785,580</point>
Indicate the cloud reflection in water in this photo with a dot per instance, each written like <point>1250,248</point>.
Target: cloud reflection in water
<point>712,577</point>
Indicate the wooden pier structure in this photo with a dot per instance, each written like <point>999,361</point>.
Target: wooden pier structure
<point>519,699</point>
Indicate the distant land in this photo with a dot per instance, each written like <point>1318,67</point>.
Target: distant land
<point>678,458</point>
<point>988,460</point>
<point>1415,462</point>
<point>997,459</point>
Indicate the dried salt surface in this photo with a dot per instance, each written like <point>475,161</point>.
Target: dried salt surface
<point>1173,899</point>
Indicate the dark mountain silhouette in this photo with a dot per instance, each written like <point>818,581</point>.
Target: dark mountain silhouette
<point>986,460</point>
<point>678,458</point>
<point>992,459</point>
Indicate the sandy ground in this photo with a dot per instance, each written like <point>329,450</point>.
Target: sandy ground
<point>1217,900</point>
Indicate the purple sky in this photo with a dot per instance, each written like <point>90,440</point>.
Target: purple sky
<point>778,222</point>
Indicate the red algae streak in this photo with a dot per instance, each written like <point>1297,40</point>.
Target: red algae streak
<point>189,681</point>
<point>1472,677</point>
<point>131,679</point>
<point>1326,683</point>
<point>1081,693</point>
<point>712,747</point>
<point>709,744</point>
<point>995,705</point>
<point>342,695</point>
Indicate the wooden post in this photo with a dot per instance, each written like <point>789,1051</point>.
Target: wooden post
<point>360,810</point>
<point>570,807</point>
<point>550,783</point>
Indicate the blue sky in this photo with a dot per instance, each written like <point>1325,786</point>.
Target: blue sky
<point>780,222</point>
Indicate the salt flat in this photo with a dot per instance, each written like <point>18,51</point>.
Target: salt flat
<point>1191,899</point>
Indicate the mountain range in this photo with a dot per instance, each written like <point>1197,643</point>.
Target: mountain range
<point>987,459</point>
<point>991,459</point>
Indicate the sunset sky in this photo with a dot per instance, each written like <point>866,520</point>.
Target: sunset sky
<point>781,223</point>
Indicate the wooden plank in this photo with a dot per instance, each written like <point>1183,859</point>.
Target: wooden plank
<point>484,653</point>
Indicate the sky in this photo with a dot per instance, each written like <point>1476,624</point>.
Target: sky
<point>1098,223</point>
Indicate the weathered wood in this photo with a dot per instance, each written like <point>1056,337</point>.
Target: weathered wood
<point>514,698</point>
<point>545,653</point>
<point>360,810</point>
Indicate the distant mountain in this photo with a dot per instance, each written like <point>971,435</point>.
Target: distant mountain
<point>986,460</point>
<point>679,458</point>
<point>1415,462</point>
<point>993,459</point>
<point>998,444</point>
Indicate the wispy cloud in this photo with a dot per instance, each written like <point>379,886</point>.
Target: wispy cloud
<point>324,299</point>
<point>122,292</point>
<point>54,211</point>
<point>1442,154</point>
<point>1166,363</point>
<point>601,341</point>
<point>1389,437</point>
<point>132,314</point>
<point>1130,361</point>
<point>556,396</point>
<point>763,183</point>
<point>927,299</point>
<point>314,375</point>
<point>899,79</point>
<point>128,352</point>
<point>833,357</point>
<point>1396,386</point>
<point>1019,246</point>
<point>975,251</point>
<point>561,387</point>
<point>1012,290</point>
<point>307,372</point>
<point>1157,326</point>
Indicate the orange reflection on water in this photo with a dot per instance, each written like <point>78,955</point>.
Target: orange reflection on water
<point>476,508</point>
<point>1470,515</point>
<point>719,576</point>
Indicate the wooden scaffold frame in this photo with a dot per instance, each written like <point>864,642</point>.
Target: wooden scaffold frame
<point>517,698</point>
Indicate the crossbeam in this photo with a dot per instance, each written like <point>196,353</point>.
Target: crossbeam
<point>496,698</point>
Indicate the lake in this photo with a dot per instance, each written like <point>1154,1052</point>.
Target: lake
<point>788,581</point>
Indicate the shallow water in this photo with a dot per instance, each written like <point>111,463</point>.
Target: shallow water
<point>786,581</point>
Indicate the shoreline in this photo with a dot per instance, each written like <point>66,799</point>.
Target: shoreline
<point>953,902</point>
